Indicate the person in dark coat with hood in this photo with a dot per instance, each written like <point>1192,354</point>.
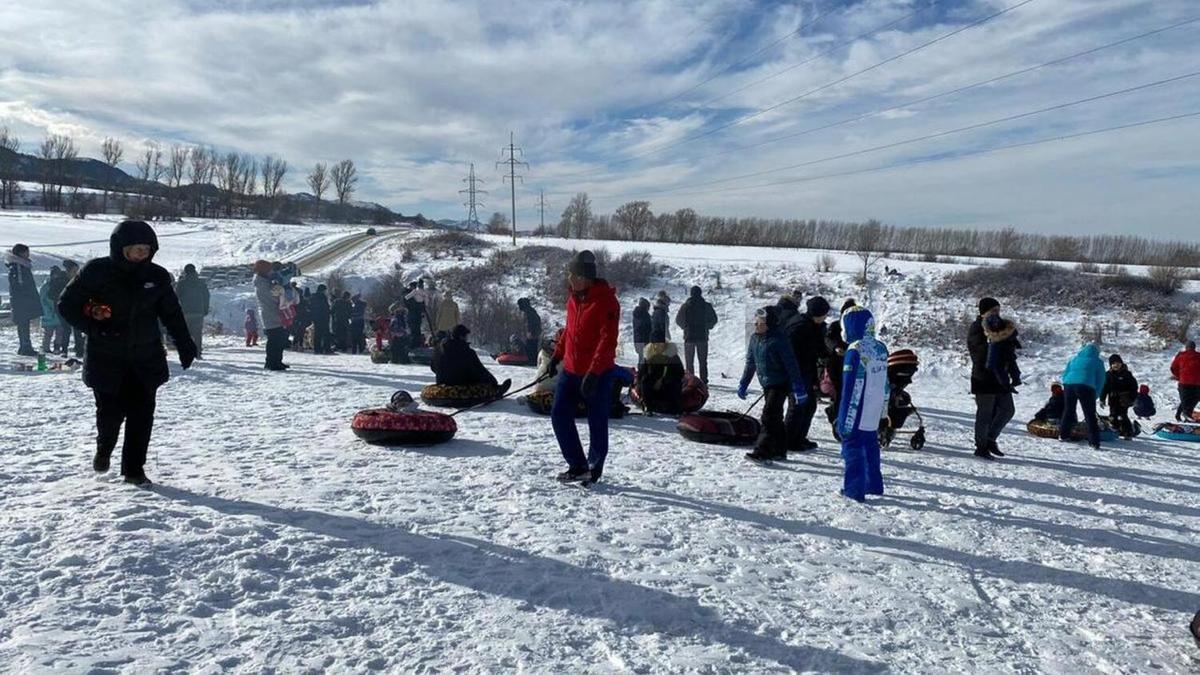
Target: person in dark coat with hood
<point>118,301</point>
<point>806,332</point>
<point>643,326</point>
<point>358,325</point>
<point>71,269</point>
<point>23,294</point>
<point>318,310</point>
<point>770,357</point>
<point>55,333</point>
<point>194,299</point>
<point>993,400</point>
<point>660,318</point>
<point>836,346</point>
<point>697,318</point>
<point>533,329</point>
<point>340,309</point>
<point>456,363</point>
<point>1119,392</point>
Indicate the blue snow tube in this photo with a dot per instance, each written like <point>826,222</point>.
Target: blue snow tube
<point>1178,431</point>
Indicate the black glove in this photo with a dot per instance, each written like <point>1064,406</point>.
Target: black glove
<point>552,368</point>
<point>588,386</point>
<point>186,357</point>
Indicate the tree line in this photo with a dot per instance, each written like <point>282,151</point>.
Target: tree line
<point>635,221</point>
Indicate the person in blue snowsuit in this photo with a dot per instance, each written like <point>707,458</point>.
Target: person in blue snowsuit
<point>863,404</point>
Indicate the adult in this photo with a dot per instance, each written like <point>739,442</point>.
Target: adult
<point>533,328</point>
<point>398,334</point>
<point>660,322</point>
<point>448,314</point>
<point>358,324</point>
<point>1082,380</point>
<point>415,301</point>
<point>587,351</point>
<point>340,311</point>
<point>456,363</point>
<point>836,345</point>
<point>272,320</point>
<point>660,379</point>
<point>642,328</point>
<point>806,333</point>
<point>318,310</point>
<point>71,269</point>
<point>697,318</point>
<point>769,356</point>
<point>993,401</point>
<point>194,299</point>
<point>864,376</point>
<point>119,301</point>
<point>787,310</point>
<point>1185,369</point>
<point>1119,393</point>
<point>23,296</point>
<point>54,329</point>
<point>303,318</point>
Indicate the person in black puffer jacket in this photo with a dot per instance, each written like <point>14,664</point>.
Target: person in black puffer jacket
<point>697,318</point>
<point>118,301</point>
<point>1119,392</point>
<point>456,363</point>
<point>23,295</point>
<point>806,333</point>
<point>993,400</point>
<point>643,326</point>
<point>836,347</point>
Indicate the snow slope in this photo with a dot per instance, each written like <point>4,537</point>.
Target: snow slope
<point>274,540</point>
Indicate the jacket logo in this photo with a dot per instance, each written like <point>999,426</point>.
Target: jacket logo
<point>149,284</point>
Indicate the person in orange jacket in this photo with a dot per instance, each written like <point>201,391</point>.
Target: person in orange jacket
<point>587,353</point>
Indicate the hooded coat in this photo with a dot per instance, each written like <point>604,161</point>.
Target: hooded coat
<point>864,375</point>
<point>456,363</point>
<point>660,322</point>
<point>48,296</point>
<point>193,294</point>
<point>140,295</point>
<point>807,338</point>
<point>1086,368</point>
<point>660,379</point>
<point>1120,388</point>
<point>983,380</point>
<point>268,304</point>
<point>1003,343</point>
<point>22,289</point>
<point>642,324</point>
<point>770,357</point>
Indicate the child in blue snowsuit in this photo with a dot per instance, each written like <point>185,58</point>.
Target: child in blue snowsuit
<point>863,404</point>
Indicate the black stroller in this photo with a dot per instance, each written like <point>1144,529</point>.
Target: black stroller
<point>902,367</point>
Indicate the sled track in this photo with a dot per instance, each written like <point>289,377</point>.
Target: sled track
<point>340,249</point>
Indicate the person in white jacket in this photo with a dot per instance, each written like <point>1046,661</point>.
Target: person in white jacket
<point>863,404</point>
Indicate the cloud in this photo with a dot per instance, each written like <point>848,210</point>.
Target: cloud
<point>415,90</point>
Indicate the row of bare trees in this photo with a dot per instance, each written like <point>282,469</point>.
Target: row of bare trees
<point>178,179</point>
<point>635,221</point>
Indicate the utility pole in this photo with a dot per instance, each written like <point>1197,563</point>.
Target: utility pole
<point>542,210</point>
<point>508,155</point>
<point>472,202</point>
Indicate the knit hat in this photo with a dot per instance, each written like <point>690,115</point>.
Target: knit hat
<point>1144,389</point>
<point>787,302</point>
<point>1056,388</point>
<point>521,302</point>
<point>460,332</point>
<point>643,303</point>
<point>1190,345</point>
<point>1114,359</point>
<point>20,249</point>
<point>262,268</point>
<point>817,307</point>
<point>189,269</point>
<point>850,302</point>
<point>987,304</point>
<point>696,292</point>
<point>583,265</point>
<point>770,316</point>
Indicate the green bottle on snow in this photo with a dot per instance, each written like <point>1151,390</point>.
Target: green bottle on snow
<point>41,366</point>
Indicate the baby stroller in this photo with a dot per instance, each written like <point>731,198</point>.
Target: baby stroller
<point>902,367</point>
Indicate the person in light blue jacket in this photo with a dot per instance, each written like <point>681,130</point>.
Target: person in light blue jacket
<point>863,404</point>
<point>1082,380</point>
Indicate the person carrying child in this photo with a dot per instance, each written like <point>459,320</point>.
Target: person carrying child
<point>1003,344</point>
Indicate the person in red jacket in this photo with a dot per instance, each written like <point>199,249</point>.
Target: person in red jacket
<point>587,351</point>
<point>1186,370</point>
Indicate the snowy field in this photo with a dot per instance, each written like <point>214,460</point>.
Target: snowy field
<point>274,540</point>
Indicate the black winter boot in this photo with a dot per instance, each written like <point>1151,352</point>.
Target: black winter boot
<point>984,453</point>
<point>100,462</point>
<point>994,449</point>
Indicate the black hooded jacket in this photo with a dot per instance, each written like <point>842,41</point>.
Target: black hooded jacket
<point>193,294</point>
<point>140,295</point>
<point>641,323</point>
<point>696,317</point>
<point>456,363</point>
<point>1120,388</point>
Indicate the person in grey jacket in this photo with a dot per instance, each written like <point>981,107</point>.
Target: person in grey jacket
<point>268,307</point>
<point>194,298</point>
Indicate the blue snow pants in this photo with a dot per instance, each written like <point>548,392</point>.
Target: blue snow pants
<point>860,450</point>
<point>562,416</point>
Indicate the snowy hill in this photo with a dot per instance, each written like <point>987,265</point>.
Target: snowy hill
<point>275,540</point>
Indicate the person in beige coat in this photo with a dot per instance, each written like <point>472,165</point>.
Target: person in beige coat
<point>448,314</point>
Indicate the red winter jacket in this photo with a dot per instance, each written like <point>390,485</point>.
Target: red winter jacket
<point>589,343</point>
<point>1186,368</point>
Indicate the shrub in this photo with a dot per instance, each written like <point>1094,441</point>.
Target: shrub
<point>1087,268</point>
<point>335,282</point>
<point>389,289</point>
<point>825,263</point>
<point>492,316</point>
<point>1115,270</point>
<point>1167,279</point>
<point>760,287</point>
<point>1061,287</point>
<point>449,241</point>
<point>633,269</point>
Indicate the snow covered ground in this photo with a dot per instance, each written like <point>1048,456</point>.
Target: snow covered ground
<point>275,540</point>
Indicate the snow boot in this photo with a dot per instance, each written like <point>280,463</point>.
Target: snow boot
<point>984,453</point>
<point>503,389</point>
<point>994,449</point>
<point>100,462</point>
<point>138,481</point>
<point>1195,627</point>
<point>759,456</point>
<point>574,476</point>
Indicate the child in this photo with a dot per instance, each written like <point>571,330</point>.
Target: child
<point>1120,390</point>
<point>771,356</point>
<point>251,328</point>
<point>1053,409</point>
<point>1143,405</point>
<point>1002,350</point>
<point>863,405</point>
<point>383,326</point>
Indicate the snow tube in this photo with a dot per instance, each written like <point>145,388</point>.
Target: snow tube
<point>542,402</point>
<point>421,355</point>
<point>719,428</point>
<point>512,359</point>
<point>1178,431</point>
<point>1049,429</point>
<point>380,426</point>
<point>457,396</point>
<point>693,394</point>
<point>380,356</point>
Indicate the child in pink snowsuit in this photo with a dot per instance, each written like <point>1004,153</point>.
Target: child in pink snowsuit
<point>251,328</point>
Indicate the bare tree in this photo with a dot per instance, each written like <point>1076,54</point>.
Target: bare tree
<point>199,175</point>
<point>177,164</point>
<point>113,152</point>
<point>150,168</point>
<point>249,181</point>
<point>634,217</point>
<point>318,181</point>
<point>273,170</point>
<point>345,178</point>
<point>10,145</point>
<point>229,176</point>
<point>868,245</point>
<point>57,151</point>
<point>683,223</point>
<point>576,219</point>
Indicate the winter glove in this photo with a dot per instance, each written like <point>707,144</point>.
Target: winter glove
<point>186,357</point>
<point>589,384</point>
<point>800,391</point>
<point>552,367</point>
<point>742,391</point>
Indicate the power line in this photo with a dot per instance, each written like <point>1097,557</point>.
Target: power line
<point>951,92</point>
<point>473,201</point>
<point>940,134</point>
<point>834,83</point>
<point>512,177</point>
<point>972,153</point>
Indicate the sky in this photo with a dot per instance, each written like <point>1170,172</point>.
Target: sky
<point>772,109</point>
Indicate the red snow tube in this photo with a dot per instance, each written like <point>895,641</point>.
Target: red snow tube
<point>380,426</point>
<point>693,394</point>
<point>719,428</point>
<point>512,359</point>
